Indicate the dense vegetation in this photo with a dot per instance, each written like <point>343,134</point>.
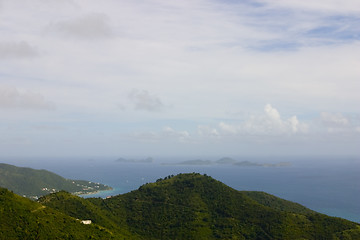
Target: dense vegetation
<point>186,206</point>
<point>33,183</point>
<point>277,203</point>
<point>22,218</point>
<point>193,206</point>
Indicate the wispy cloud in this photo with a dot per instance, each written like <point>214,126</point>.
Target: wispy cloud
<point>322,6</point>
<point>178,135</point>
<point>166,134</point>
<point>12,98</point>
<point>338,123</point>
<point>333,119</point>
<point>143,100</point>
<point>17,50</point>
<point>90,26</point>
<point>207,131</point>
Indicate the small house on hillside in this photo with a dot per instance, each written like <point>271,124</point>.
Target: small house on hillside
<point>86,221</point>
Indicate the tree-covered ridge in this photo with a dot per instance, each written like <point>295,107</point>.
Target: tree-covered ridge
<point>81,208</point>
<point>193,206</point>
<point>22,218</point>
<point>277,203</point>
<point>34,183</point>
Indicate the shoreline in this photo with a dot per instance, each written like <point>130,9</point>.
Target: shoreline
<point>89,194</point>
<point>80,194</point>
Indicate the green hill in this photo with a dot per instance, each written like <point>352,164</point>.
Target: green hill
<point>22,218</point>
<point>277,203</point>
<point>193,206</point>
<point>33,183</point>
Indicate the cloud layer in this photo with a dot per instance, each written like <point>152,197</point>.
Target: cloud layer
<point>90,26</point>
<point>189,76</point>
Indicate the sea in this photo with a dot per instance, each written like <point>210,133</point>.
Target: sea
<point>326,185</point>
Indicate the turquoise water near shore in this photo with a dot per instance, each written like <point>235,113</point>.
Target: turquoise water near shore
<point>331,186</point>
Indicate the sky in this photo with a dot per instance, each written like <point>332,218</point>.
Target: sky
<point>86,78</point>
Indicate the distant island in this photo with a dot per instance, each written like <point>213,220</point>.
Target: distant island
<point>125,160</point>
<point>226,160</point>
<point>33,183</point>
<point>229,161</point>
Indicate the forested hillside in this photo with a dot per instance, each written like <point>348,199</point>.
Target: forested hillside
<point>193,206</point>
<point>33,183</point>
<point>22,218</point>
<point>186,206</point>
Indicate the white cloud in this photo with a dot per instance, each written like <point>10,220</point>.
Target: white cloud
<point>270,123</point>
<point>261,127</point>
<point>11,97</point>
<point>294,123</point>
<point>13,50</point>
<point>272,113</point>
<point>143,100</point>
<point>274,122</point>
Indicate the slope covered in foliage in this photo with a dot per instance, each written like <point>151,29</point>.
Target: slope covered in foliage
<point>81,208</point>
<point>277,203</point>
<point>33,183</point>
<point>193,206</point>
<point>22,218</point>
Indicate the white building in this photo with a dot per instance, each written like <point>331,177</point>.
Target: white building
<point>86,221</point>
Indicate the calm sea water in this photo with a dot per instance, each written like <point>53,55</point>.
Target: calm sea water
<point>327,186</point>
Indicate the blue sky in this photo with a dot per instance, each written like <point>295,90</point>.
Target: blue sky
<point>179,78</point>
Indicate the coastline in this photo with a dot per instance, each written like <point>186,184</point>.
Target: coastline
<point>98,193</point>
<point>82,194</point>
